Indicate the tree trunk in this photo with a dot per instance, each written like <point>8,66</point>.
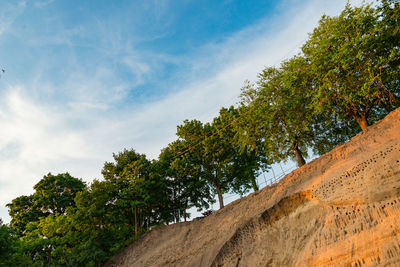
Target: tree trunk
<point>175,215</point>
<point>220,199</point>
<point>174,210</point>
<point>299,156</point>
<point>184,212</point>
<point>362,122</point>
<point>254,184</point>
<point>140,218</point>
<point>135,222</point>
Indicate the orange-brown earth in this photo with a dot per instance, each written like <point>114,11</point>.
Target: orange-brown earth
<point>342,209</point>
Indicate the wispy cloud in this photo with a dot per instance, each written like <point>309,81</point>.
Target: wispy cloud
<point>9,12</point>
<point>33,138</point>
<point>41,4</point>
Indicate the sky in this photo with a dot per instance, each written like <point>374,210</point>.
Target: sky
<point>86,79</point>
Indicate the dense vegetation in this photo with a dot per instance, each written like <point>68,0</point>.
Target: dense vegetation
<point>345,79</point>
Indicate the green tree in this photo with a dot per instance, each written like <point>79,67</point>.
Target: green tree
<point>212,153</point>
<point>23,211</point>
<point>99,226</point>
<point>389,15</point>
<point>11,248</point>
<point>354,58</point>
<point>140,192</point>
<point>247,162</point>
<point>127,172</point>
<point>279,112</point>
<point>85,235</point>
<point>208,153</point>
<point>186,189</point>
<point>6,242</point>
<point>52,195</point>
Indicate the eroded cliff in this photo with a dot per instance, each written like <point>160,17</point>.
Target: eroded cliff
<point>342,209</point>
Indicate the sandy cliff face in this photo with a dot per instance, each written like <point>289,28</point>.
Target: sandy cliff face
<point>342,209</point>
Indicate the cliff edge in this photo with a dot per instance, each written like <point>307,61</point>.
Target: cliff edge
<point>342,209</point>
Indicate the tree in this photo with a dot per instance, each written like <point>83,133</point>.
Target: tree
<point>212,152</point>
<point>155,191</point>
<point>23,211</point>
<point>6,241</point>
<point>53,194</point>
<point>246,162</point>
<point>126,173</point>
<point>11,249</point>
<point>87,234</point>
<point>99,226</point>
<point>207,153</point>
<point>352,57</point>
<point>389,15</point>
<point>279,112</point>
<point>186,189</point>
<point>139,192</point>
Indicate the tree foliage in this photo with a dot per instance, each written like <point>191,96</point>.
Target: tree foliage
<point>53,194</point>
<point>352,57</point>
<point>186,189</point>
<point>139,192</point>
<point>220,164</point>
<point>246,163</point>
<point>207,154</point>
<point>279,111</point>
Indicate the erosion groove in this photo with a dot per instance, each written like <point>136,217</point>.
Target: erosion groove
<point>341,209</point>
<point>245,235</point>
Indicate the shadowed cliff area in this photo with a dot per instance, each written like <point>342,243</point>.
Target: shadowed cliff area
<point>341,209</point>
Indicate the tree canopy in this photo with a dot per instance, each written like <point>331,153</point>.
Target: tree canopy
<point>280,113</point>
<point>53,195</point>
<point>352,57</point>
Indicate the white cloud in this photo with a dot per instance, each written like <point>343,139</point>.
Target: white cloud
<point>8,13</point>
<point>35,129</point>
<point>33,141</point>
<point>44,3</point>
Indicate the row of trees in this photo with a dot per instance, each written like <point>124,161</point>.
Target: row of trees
<point>346,78</point>
<point>68,223</point>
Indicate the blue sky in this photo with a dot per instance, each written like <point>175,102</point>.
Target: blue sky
<point>85,79</point>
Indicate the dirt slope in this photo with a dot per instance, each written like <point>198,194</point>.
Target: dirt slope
<point>341,209</point>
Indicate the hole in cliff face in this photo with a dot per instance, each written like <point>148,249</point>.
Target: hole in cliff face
<point>238,261</point>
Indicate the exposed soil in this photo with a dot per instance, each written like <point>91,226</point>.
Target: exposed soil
<point>342,209</point>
